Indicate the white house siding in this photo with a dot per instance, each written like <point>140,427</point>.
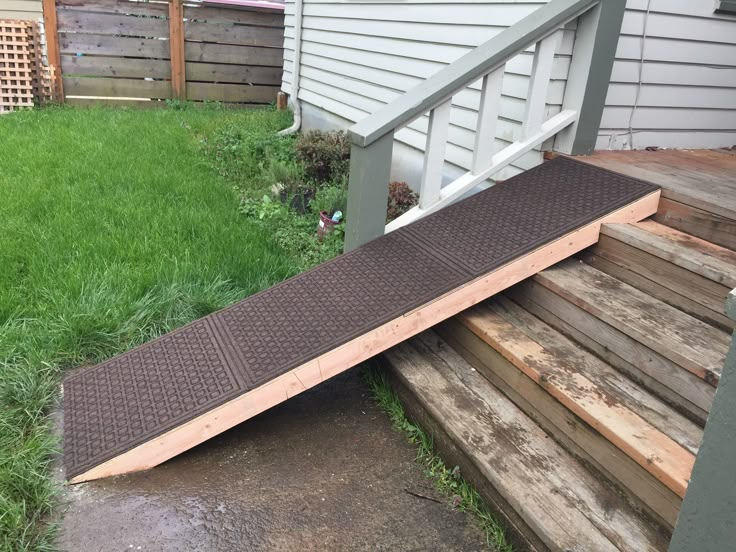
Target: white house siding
<point>359,55</point>
<point>20,9</point>
<point>688,93</point>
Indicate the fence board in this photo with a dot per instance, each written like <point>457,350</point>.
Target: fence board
<point>249,17</point>
<point>110,23</point>
<point>234,74</point>
<point>125,88</point>
<point>176,47</point>
<point>228,53</point>
<point>140,104</point>
<point>89,66</point>
<point>113,46</point>
<point>231,92</point>
<point>116,6</point>
<point>243,35</point>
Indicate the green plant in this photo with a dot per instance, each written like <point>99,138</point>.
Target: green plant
<point>286,177</point>
<point>325,156</point>
<point>331,198</point>
<point>401,198</point>
<point>178,105</point>
<point>244,154</point>
<point>448,480</point>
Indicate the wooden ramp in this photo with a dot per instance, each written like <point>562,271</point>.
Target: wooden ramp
<point>143,407</point>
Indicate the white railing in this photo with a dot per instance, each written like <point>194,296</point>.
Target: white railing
<point>486,162</point>
<point>372,138</point>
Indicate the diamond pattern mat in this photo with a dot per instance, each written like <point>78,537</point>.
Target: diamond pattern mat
<point>132,398</point>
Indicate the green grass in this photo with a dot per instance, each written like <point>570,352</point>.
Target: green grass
<point>448,480</point>
<point>115,226</point>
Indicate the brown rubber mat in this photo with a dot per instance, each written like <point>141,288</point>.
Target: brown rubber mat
<point>127,400</point>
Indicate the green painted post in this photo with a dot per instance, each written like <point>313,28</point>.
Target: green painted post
<point>707,520</point>
<point>596,39</point>
<point>370,170</point>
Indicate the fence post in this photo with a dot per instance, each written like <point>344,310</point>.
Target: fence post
<point>706,520</point>
<point>370,170</point>
<point>176,45</point>
<point>596,39</point>
<point>52,49</point>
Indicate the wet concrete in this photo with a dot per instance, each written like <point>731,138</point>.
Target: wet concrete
<point>323,471</point>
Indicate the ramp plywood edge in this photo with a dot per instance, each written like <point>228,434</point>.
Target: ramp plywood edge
<point>163,398</point>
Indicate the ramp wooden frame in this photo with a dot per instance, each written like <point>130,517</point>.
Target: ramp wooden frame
<point>325,366</point>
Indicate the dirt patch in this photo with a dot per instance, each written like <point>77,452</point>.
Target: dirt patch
<point>323,471</point>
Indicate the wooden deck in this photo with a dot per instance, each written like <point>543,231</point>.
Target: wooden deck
<point>698,187</point>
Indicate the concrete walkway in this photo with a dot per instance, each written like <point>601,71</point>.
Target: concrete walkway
<point>323,471</point>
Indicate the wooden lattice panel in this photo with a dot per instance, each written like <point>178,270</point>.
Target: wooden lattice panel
<point>43,79</point>
<point>17,64</point>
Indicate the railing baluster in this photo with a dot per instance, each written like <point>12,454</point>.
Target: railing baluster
<point>536,98</point>
<point>485,133</point>
<point>434,154</point>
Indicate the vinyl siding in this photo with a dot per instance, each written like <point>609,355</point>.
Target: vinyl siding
<point>359,55</point>
<point>20,9</point>
<point>688,94</point>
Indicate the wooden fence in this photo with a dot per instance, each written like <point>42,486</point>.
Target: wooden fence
<point>131,52</point>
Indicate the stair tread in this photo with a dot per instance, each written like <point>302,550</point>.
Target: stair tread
<point>613,384</point>
<point>692,344</point>
<point>567,506</point>
<point>697,255</point>
<point>660,375</point>
<point>594,391</point>
<point>561,423</point>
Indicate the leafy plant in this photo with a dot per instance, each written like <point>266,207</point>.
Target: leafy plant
<point>178,105</point>
<point>286,177</point>
<point>401,198</point>
<point>331,198</point>
<point>245,154</point>
<point>325,156</point>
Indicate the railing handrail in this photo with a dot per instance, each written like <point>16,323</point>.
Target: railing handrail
<point>472,66</point>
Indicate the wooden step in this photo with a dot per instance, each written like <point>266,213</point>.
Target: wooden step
<point>690,343</point>
<point>716,263</point>
<point>697,222</point>
<point>686,272</point>
<point>689,394</point>
<point>698,188</point>
<point>645,429</point>
<point>581,439</point>
<point>548,496</point>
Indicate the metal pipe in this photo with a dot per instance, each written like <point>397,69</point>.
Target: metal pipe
<point>296,69</point>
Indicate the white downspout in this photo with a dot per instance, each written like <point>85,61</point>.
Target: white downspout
<point>296,70</point>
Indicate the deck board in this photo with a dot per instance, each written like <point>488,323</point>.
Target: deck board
<point>704,179</point>
<point>149,404</point>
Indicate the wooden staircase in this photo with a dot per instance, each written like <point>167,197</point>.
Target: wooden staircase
<point>576,400</point>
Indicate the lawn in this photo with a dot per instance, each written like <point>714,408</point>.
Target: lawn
<point>117,226</point>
